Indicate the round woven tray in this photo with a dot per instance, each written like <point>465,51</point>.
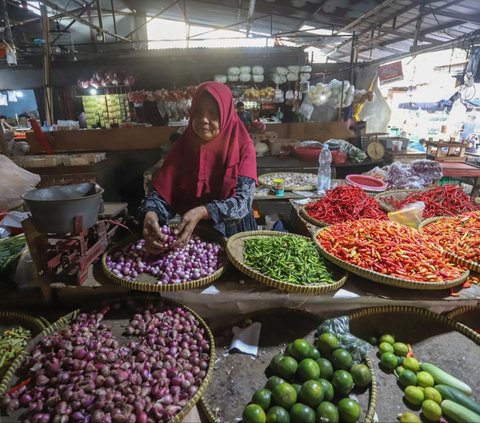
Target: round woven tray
<point>310,219</point>
<point>311,187</point>
<point>235,254</point>
<point>433,337</point>
<point>467,317</point>
<point>11,319</point>
<point>148,283</point>
<point>469,264</point>
<point>385,279</point>
<point>64,321</point>
<point>397,194</point>
<point>238,376</point>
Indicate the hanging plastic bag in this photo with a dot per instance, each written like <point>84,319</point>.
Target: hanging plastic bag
<point>410,215</point>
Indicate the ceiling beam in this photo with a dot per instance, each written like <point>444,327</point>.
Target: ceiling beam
<point>474,17</point>
<point>55,6</point>
<point>229,26</point>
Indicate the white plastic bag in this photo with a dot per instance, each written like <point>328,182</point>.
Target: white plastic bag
<point>15,181</point>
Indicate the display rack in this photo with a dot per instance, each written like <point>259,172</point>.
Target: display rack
<point>105,111</point>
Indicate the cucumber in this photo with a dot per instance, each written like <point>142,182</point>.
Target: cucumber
<point>458,413</point>
<point>453,394</point>
<point>441,377</point>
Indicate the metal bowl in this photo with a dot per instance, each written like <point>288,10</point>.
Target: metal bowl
<point>54,208</point>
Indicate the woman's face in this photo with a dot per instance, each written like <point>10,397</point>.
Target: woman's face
<point>206,118</point>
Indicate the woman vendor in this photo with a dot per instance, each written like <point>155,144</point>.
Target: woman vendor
<point>210,173</point>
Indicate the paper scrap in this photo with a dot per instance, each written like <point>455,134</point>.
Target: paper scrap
<point>302,201</point>
<point>343,293</point>
<point>211,290</point>
<point>246,339</point>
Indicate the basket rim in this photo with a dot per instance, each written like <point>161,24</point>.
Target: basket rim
<point>150,287</point>
<point>469,264</point>
<point>288,187</point>
<point>372,402</point>
<point>39,326</point>
<point>386,279</point>
<point>178,418</point>
<point>380,197</point>
<point>321,288</point>
<point>303,213</point>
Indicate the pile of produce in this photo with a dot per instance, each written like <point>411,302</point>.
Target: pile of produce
<point>447,200</point>
<point>389,248</point>
<point>292,180</point>
<point>345,203</point>
<point>459,235</point>
<point>309,384</point>
<point>10,248</point>
<point>198,259</point>
<point>427,386</point>
<point>82,373</point>
<point>292,259</point>
<point>12,342</point>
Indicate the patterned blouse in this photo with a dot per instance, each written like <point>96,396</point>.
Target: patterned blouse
<point>229,216</point>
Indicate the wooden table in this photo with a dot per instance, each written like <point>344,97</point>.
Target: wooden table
<point>458,170</point>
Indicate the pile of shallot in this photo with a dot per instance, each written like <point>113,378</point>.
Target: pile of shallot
<point>83,374</point>
<point>197,259</point>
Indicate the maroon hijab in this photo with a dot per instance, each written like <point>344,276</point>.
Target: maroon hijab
<point>196,172</point>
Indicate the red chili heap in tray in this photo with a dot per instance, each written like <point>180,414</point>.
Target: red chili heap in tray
<point>448,200</point>
<point>459,235</point>
<point>389,248</point>
<point>345,203</point>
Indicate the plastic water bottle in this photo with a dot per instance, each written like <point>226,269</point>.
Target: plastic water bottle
<point>324,170</point>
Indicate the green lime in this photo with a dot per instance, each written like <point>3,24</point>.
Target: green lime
<point>275,362</point>
<point>342,382</point>
<point>349,410</point>
<point>361,375</point>
<point>300,349</point>
<point>407,378</point>
<point>297,387</point>
<point>432,394</point>
<point>273,381</point>
<point>301,413</point>
<point>278,414</point>
<point>387,338</point>
<point>414,395</point>
<point>431,410</point>
<point>425,379</point>
<point>262,397</point>
<point>289,349</point>
<point>314,353</point>
<point>253,413</point>
<point>311,393</point>
<point>341,359</point>
<point>373,340</point>
<point>385,347</point>
<point>326,368</point>
<point>327,413</point>
<point>389,360</point>
<point>284,395</point>
<point>307,369</point>
<point>412,364</point>
<point>286,367</point>
<point>401,349</point>
<point>409,418</point>
<point>399,370</point>
<point>327,343</point>
<point>328,391</point>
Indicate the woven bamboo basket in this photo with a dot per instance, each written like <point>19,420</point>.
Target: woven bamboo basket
<point>262,179</point>
<point>304,214</point>
<point>469,264</point>
<point>65,321</point>
<point>397,195</point>
<point>235,254</point>
<point>434,338</point>
<point>385,279</point>
<point>33,324</point>
<point>467,316</point>
<point>270,343</point>
<point>148,283</point>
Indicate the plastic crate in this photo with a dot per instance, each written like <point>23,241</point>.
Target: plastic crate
<point>447,180</point>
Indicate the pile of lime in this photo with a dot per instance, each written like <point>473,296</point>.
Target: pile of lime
<point>418,385</point>
<point>309,384</point>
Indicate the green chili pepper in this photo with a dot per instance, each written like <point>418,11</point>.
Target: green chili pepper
<point>12,341</point>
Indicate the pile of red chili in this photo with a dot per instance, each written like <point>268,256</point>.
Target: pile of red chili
<point>447,200</point>
<point>345,203</point>
<point>389,248</point>
<point>459,235</point>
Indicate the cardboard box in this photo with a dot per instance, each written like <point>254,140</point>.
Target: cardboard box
<point>263,136</point>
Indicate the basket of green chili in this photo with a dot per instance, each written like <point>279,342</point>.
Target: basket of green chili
<point>285,261</point>
<point>16,329</point>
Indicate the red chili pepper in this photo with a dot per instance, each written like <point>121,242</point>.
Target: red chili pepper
<point>345,203</point>
<point>19,386</point>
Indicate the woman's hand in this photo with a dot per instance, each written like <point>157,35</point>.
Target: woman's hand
<point>186,226</point>
<point>154,239</point>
